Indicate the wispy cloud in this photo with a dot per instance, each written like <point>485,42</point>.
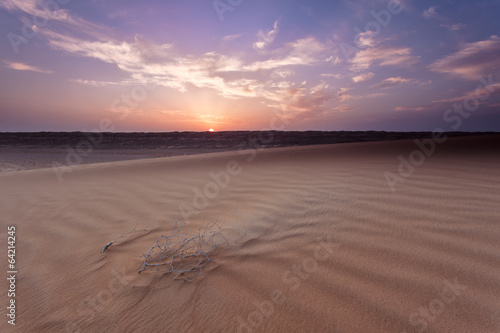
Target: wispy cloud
<point>334,60</point>
<point>393,82</point>
<point>208,118</point>
<point>489,90</point>
<point>176,114</point>
<point>305,104</point>
<point>453,27</point>
<point>282,74</point>
<point>431,13</point>
<point>304,51</point>
<point>18,66</point>
<point>416,108</point>
<point>472,60</point>
<point>343,94</point>
<point>383,56</point>
<point>212,119</point>
<point>266,38</point>
<point>56,15</point>
<point>333,76</point>
<point>366,39</point>
<point>254,68</point>
<point>166,69</point>
<point>362,77</point>
<point>229,38</point>
<point>229,76</point>
<point>375,95</point>
<point>94,83</point>
<point>161,64</point>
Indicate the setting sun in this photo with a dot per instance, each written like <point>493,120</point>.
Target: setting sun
<point>211,130</point>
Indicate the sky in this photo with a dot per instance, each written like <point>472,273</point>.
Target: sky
<point>162,65</point>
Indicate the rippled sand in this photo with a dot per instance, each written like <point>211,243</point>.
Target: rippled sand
<point>318,241</point>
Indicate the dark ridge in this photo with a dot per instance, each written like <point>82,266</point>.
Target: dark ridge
<point>217,140</point>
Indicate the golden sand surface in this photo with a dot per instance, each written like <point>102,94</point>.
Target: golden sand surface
<point>332,238</point>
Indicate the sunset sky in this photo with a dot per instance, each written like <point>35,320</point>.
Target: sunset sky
<point>161,65</point>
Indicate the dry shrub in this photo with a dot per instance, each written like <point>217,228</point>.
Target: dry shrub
<point>183,254</point>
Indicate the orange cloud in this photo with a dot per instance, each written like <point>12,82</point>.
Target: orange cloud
<point>18,66</point>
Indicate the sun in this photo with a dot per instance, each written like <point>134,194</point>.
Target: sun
<point>211,130</point>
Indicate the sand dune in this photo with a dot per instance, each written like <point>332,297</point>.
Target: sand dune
<point>327,245</point>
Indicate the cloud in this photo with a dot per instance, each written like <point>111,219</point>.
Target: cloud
<point>18,66</point>
<point>362,77</point>
<point>417,108</point>
<point>366,39</point>
<point>212,119</point>
<point>119,14</point>
<point>375,95</point>
<point>266,38</point>
<point>393,82</point>
<point>299,102</point>
<point>305,51</point>
<point>94,83</point>
<point>364,95</point>
<point>160,65</point>
<point>148,63</point>
<point>166,68</point>
<point>334,59</point>
<point>231,37</point>
<point>483,92</point>
<point>384,56</point>
<point>453,27</point>
<point>334,76</point>
<point>343,95</point>
<point>125,55</point>
<point>304,104</point>
<point>176,114</point>
<point>53,12</point>
<point>431,13</point>
<point>472,60</point>
<point>282,74</point>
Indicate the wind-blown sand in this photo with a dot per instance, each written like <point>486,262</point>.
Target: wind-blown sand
<point>327,246</point>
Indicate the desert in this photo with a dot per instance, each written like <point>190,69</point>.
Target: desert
<point>317,241</point>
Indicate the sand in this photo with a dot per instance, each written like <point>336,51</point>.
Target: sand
<point>28,151</point>
<point>319,242</point>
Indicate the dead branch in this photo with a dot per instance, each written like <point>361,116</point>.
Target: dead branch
<point>106,247</point>
<point>183,254</point>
